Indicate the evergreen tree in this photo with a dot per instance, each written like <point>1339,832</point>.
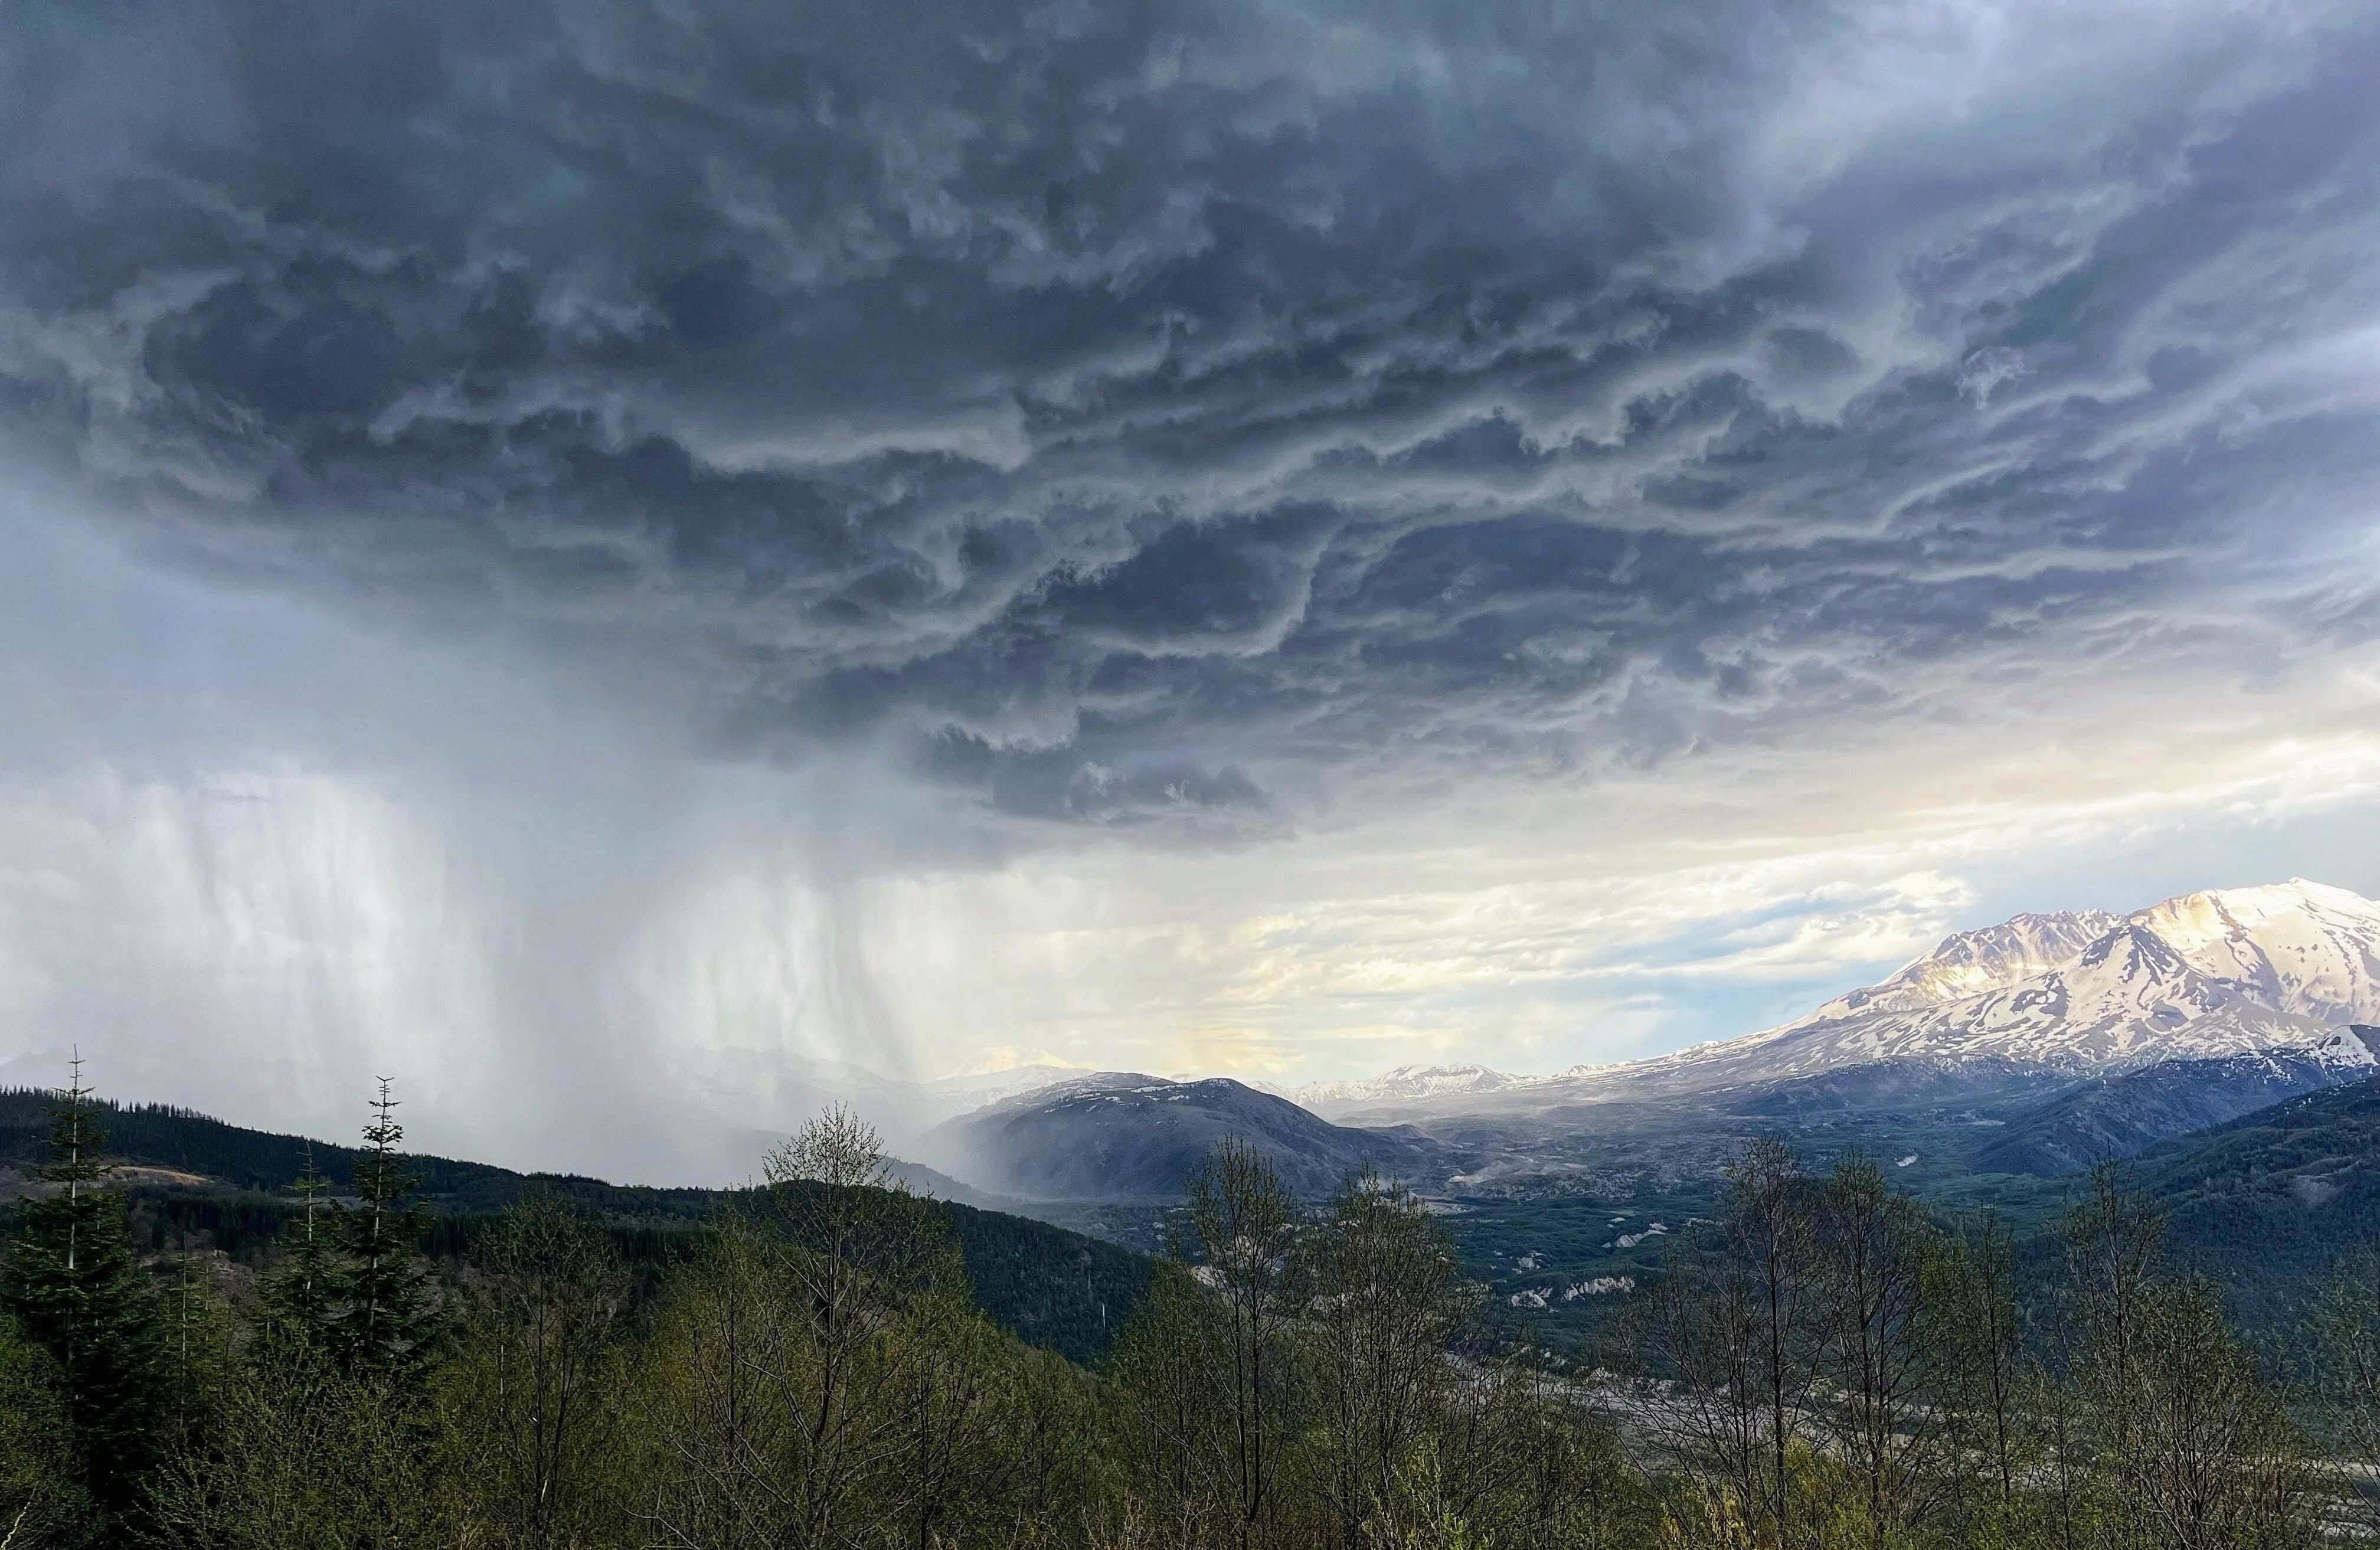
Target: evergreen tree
<point>384,1316</point>
<point>301,1295</point>
<point>188,1367</point>
<point>76,1289</point>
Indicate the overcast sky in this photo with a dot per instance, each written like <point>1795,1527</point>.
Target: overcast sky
<point>590,555</point>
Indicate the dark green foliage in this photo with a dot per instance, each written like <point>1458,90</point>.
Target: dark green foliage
<point>1297,1380</point>
<point>190,1351</point>
<point>302,1457</point>
<point>1056,1289</point>
<point>1826,1367</point>
<point>1985,1376</point>
<point>1384,1301</point>
<point>821,1379</point>
<point>2266,1204</point>
<point>2338,1362</point>
<point>42,1499</point>
<point>2168,1435</point>
<point>258,1162</point>
<point>73,1285</point>
<point>535,1393</point>
<point>1244,1219</point>
<point>384,1313</point>
<point>248,1229</point>
<point>303,1293</point>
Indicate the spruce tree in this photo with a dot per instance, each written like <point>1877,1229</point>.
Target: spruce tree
<point>192,1351</point>
<point>76,1289</point>
<point>384,1318</point>
<point>301,1295</point>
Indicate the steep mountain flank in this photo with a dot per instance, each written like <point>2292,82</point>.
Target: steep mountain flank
<point>1122,1135</point>
<point>2115,1116</point>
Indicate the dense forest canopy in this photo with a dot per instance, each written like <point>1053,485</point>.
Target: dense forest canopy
<point>831,1359</point>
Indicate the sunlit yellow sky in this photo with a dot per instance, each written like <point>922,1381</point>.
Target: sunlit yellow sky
<point>600,561</point>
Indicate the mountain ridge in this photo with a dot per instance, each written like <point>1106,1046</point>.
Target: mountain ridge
<point>2201,975</point>
<point>1127,1135</point>
<point>1404,1081</point>
<point>1050,1285</point>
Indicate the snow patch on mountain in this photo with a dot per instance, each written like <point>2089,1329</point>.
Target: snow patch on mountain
<point>2355,1045</point>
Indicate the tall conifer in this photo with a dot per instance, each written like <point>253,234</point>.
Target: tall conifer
<point>75,1287</point>
<point>303,1294</point>
<point>384,1318</point>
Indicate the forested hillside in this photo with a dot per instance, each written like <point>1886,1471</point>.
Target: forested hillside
<point>1053,1288</point>
<point>829,1360</point>
<point>2269,1201</point>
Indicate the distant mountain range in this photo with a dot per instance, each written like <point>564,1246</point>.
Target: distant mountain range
<point>766,1091</point>
<point>1404,1083</point>
<point>2036,1046</point>
<point>2227,1041</point>
<point>2222,973</point>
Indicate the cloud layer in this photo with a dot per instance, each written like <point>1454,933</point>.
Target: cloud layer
<point>1275,428</point>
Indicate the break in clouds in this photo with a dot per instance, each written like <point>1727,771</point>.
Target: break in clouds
<point>602,527</point>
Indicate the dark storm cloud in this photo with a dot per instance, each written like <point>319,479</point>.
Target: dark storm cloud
<point>1127,409</point>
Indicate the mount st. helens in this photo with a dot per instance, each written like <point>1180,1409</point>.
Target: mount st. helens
<point>2221,972</point>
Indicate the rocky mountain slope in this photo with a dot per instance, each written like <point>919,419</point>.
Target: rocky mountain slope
<point>1973,962</point>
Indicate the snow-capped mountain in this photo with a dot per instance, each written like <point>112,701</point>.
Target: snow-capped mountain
<point>2297,946</point>
<point>1972,961</point>
<point>1404,1083</point>
<point>2205,976</point>
<point>2126,999</point>
<point>2220,972</point>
